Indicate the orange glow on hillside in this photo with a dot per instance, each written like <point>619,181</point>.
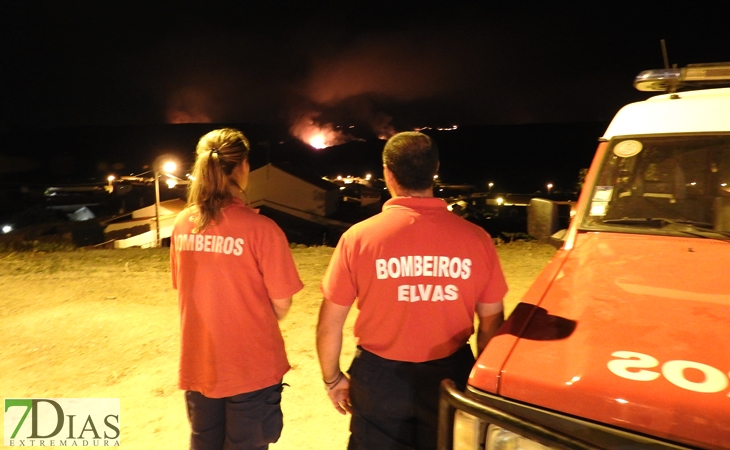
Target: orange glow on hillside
<point>189,105</point>
<point>316,135</point>
<point>318,141</point>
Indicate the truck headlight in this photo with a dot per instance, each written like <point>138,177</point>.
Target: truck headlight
<point>468,431</point>
<point>500,439</point>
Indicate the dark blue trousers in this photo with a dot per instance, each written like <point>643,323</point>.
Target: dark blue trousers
<point>249,421</point>
<point>395,403</point>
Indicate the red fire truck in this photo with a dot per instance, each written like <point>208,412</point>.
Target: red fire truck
<point>622,342</point>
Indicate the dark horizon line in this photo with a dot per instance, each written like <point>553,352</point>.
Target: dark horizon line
<point>14,128</point>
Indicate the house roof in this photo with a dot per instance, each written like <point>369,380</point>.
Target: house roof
<point>174,205</point>
<point>293,170</point>
<point>168,207</point>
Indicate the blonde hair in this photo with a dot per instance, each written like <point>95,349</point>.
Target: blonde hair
<point>218,153</point>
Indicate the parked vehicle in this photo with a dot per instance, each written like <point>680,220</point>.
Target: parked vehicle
<point>621,342</point>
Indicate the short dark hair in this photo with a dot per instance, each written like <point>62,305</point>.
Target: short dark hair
<point>413,158</point>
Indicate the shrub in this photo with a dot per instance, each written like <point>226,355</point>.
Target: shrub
<point>45,244</point>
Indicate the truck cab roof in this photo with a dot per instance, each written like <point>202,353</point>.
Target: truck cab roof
<point>686,112</point>
<point>690,111</point>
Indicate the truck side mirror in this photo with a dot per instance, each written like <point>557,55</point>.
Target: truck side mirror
<point>542,220</point>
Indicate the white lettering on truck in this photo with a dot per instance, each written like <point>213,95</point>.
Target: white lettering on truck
<point>635,366</point>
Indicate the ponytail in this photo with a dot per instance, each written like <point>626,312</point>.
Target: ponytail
<point>218,153</point>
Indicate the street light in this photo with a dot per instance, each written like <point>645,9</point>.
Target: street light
<point>109,186</point>
<point>166,167</point>
<point>549,187</point>
<point>490,187</point>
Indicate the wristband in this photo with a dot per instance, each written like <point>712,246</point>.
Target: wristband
<point>328,386</point>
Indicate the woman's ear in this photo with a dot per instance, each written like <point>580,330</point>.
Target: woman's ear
<point>244,169</point>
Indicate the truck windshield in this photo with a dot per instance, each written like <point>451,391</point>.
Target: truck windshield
<point>675,185</point>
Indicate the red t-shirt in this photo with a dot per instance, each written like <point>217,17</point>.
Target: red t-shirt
<point>417,271</point>
<point>225,276</point>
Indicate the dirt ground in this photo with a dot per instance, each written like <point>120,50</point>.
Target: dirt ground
<point>104,323</point>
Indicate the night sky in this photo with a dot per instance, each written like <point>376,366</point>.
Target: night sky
<point>391,64</point>
<point>325,66</point>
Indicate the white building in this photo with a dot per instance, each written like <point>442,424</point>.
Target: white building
<point>140,230</point>
<point>300,204</point>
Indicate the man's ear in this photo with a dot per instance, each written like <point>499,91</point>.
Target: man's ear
<point>386,173</point>
<point>390,181</point>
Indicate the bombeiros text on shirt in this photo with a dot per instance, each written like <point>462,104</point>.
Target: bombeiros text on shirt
<point>424,266</point>
<point>209,243</point>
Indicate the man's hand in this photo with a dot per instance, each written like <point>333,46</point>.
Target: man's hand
<point>340,395</point>
<point>491,317</point>
<point>329,345</point>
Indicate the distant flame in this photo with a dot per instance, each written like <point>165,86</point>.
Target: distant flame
<point>189,105</point>
<point>318,141</point>
<point>177,117</point>
<point>318,136</point>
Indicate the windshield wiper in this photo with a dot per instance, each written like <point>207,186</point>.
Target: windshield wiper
<point>657,222</point>
<point>686,226</point>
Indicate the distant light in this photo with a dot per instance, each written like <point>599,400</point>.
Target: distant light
<point>435,176</point>
<point>342,188</point>
<point>169,166</point>
<point>171,183</point>
<point>693,184</point>
<point>109,185</point>
<point>723,184</point>
<point>500,200</point>
<point>7,229</point>
<point>441,190</point>
<point>368,177</point>
<point>339,177</point>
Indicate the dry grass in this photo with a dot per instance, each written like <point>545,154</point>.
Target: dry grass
<point>104,323</point>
